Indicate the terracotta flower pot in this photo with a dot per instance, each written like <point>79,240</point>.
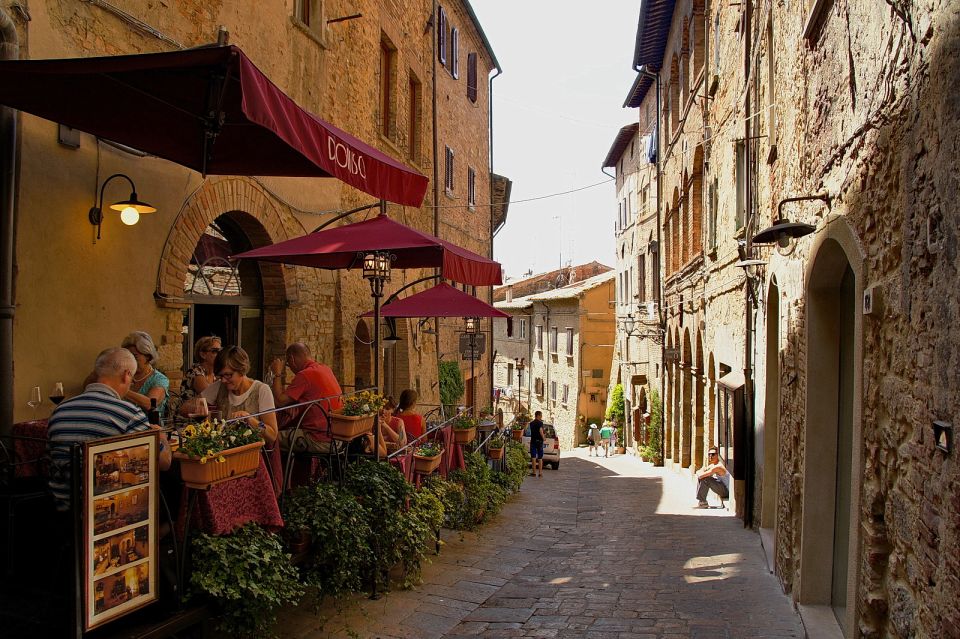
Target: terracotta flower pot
<point>517,435</point>
<point>238,462</point>
<point>495,453</point>
<point>348,427</point>
<point>426,465</point>
<point>464,435</point>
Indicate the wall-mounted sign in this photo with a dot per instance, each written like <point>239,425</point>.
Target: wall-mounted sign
<point>119,526</point>
<point>479,342</point>
<point>671,354</point>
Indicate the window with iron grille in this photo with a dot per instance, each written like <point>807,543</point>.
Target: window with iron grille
<point>471,187</point>
<point>472,77</point>
<point>566,393</point>
<point>553,391</point>
<point>570,342</point>
<point>553,340</point>
<point>448,171</point>
<point>539,338</point>
<point>523,328</point>
<point>442,35</point>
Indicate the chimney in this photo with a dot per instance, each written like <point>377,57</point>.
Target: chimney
<point>510,293</point>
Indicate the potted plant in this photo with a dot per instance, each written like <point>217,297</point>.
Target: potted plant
<point>356,416</point>
<point>516,430</point>
<point>426,457</point>
<point>464,428</point>
<point>495,448</point>
<point>214,451</point>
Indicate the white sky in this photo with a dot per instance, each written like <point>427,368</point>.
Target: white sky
<point>557,108</point>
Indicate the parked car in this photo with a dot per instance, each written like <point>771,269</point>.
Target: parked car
<point>551,445</point>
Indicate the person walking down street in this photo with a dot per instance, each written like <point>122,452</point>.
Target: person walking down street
<point>536,445</point>
<point>612,440</point>
<point>713,476</point>
<point>593,440</point>
<point>605,434</point>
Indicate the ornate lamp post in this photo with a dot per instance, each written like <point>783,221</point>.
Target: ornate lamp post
<point>376,269</point>
<point>471,326</point>
<point>519,366</point>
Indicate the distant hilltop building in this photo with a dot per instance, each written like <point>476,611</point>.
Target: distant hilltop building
<point>549,281</point>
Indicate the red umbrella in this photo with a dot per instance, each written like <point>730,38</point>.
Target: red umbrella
<point>442,300</point>
<point>343,247</point>
<point>210,109</point>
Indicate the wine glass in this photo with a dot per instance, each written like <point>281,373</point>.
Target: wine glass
<point>200,409</point>
<point>35,399</point>
<point>57,395</point>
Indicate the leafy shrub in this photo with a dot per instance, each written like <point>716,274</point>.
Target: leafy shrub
<point>518,458</point>
<point>451,495</point>
<point>616,412</point>
<point>419,525</point>
<point>340,528</point>
<point>249,575</point>
<point>652,450</point>
<point>451,383</point>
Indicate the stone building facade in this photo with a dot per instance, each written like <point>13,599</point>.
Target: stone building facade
<point>377,74</point>
<point>834,340</point>
<point>547,281</point>
<point>569,342</point>
<point>638,345</point>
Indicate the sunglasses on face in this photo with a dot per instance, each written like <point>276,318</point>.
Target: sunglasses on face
<point>225,375</point>
<point>212,350</point>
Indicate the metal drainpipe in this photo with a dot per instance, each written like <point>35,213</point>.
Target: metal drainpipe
<point>491,208</point>
<point>748,416</point>
<point>9,50</point>
<point>436,170</point>
<point>663,271</point>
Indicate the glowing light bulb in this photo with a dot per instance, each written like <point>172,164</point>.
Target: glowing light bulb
<point>129,216</point>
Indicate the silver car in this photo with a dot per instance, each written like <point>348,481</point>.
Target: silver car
<point>551,445</point>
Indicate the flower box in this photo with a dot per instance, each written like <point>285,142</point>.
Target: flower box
<point>349,427</point>
<point>495,453</point>
<point>426,465</point>
<point>242,461</point>
<point>464,435</point>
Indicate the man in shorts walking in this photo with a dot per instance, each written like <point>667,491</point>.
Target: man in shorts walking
<point>536,445</point>
<point>605,434</point>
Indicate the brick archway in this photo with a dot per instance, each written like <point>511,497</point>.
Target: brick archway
<point>261,219</point>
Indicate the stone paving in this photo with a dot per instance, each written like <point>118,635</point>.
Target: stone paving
<point>600,549</point>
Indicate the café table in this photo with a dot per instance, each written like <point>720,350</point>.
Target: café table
<point>30,448</point>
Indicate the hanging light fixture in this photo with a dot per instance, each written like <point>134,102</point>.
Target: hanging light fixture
<point>471,325</point>
<point>783,230</point>
<point>130,209</point>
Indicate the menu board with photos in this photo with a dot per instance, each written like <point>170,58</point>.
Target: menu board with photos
<point>119,526</point>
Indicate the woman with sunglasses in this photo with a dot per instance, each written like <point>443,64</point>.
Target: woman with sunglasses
<point>148,383</point>
<point>201,374</point>
<point>238,396</point>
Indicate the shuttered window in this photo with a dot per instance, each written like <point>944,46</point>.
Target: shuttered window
<point>472,77</point>
<point>471,187</point>
<point>442,35</point>
<point>448,170</point>
<point>455,52</point>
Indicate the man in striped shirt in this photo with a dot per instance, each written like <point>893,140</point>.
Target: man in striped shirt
<point>97,413</point>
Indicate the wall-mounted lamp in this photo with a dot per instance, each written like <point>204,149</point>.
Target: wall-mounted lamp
<point>783,230</point>
<point>391,339</point>
<point>130,209</point>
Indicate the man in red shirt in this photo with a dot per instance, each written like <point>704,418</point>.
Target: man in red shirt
<point>311,381</point>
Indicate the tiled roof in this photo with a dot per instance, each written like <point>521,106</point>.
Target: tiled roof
<point>620,143</point>
<point>652,31</point>
<point>574,290</point>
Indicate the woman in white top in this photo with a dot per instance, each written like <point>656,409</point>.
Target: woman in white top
<point>236,395</point>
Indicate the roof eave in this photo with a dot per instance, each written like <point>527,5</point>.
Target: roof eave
<point>483,36</point>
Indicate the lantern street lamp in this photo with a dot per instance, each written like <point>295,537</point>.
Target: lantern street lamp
<point>519,366</point>
<point>471,326</point>
<point>376,269</point>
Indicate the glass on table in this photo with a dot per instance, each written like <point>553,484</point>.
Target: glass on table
<point>200,409</point>
<point>35,400</point>
<point>57,395</point>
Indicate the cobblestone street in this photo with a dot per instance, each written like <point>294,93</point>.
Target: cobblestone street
<point>600,548</point>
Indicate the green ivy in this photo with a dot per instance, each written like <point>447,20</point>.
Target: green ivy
<point>451,383</point>
<point>518,459</point>
<point>419,525</point>
<point>340,528</point>
<point>249,575</point>
<point>616,412</point>
<point>654,431</point>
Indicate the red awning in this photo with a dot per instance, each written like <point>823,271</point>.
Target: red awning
<point>343,248</point>
<point>442,300</point>
<point>160,103</point>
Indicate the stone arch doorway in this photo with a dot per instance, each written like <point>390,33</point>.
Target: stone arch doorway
<point>770,433</point>
<point>362,359</point>
<point>832,430</point>
<point>242,210</point>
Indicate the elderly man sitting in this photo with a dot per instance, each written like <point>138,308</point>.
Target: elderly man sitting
<point>311,381</point>
<point>97,413</point>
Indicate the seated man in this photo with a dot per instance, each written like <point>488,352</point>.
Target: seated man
<point>96,413</point>
<point>713,476</point>
<point>311,381</point>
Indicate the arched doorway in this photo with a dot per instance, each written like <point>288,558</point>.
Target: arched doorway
<point>770,433</point>
<point>362,360</point>
<point>225,297</point>
<point>832,437</point>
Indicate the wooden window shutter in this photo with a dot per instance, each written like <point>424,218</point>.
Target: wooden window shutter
<point>472,77</point>
<point>455,52</point>
<point>441,35</point>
